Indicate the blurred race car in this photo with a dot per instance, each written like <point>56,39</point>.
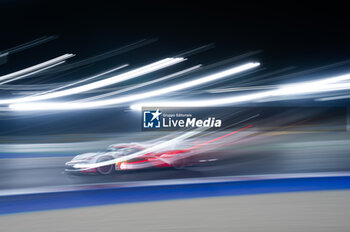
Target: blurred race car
<point>167,158</point>
<point>177,153</point>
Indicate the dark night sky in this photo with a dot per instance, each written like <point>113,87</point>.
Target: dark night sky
<point>295,33</point>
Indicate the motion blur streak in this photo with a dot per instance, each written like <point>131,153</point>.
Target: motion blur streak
<point>31,73</point>
<point>158,147</point>
<point>30,44</point>
<point>166,90</point>
<point>185,71</point>
<point>3,58</point>
<point>84,80</point>
<point>307,89</point>
<point>323,85</point>
<point>237,89</point>
<point>36,67</point>
<point>106,55</point>
<point>102,83</point>
<point>221,137</point>
<point>312,86</point>
<point>333,98</point>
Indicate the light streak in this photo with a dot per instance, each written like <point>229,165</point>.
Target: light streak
<point>31,73</point>
<point>166,90</point>
<point>333,98</point>
<point>142,84</point>
<point>101,83</point>
<point>157,147</point>
<point>311,87</point>
<point>36,67</point>
<point>83,80</point>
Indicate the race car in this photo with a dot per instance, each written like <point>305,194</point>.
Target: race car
<point>176,153</point>
<point>177,158</point>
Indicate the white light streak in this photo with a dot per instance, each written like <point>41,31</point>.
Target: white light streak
<point>36,67</point>
<point>323,85</point>
<point>83,80</point>
<point>166,90</point>
<point>245,88</point>
<point>102,83</point>
<point>333,98</point>
<point>31,73</point>
<point>142,84</point>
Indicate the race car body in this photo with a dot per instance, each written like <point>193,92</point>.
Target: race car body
<point>177,153</point>
<point>167,158</point>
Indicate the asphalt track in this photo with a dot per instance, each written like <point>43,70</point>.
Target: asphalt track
<point>302,211</point>
<point>277,154</point>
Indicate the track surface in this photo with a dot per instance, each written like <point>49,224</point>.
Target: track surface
<point>302,153</point>
<point>309,211</point>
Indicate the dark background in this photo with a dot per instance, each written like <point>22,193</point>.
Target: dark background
<point>287,32</point>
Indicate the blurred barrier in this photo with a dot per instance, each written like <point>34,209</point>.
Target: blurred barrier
<point>104,194</point>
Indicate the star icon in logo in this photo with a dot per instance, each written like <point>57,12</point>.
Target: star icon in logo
<point>156,115</point>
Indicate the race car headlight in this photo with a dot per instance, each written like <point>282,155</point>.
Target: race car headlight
<point>83,165</point>
<point>77,165</point>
